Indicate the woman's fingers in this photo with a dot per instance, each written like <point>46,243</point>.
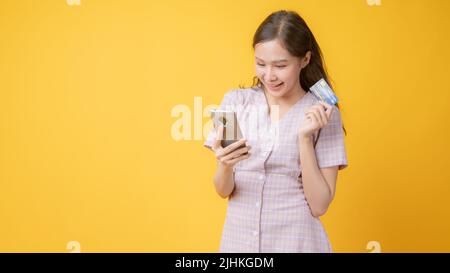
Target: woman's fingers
<point>323,116</point>
<point>233,146</point>
<point>328,108</point>
<point>237,159</point>
<point>316,114</point>
<point>230,148</point>
<point>232,153</point>
<point>322,112</point>
<point>236,153</point>
<point>313,118</point>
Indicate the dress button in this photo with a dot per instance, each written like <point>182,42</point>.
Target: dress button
<point>255,233</point>
<point>257,204</point>
<point>261,177</point>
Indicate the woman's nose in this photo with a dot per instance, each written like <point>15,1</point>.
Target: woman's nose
<point>270,76</point>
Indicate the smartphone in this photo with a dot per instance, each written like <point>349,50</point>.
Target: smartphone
<point>231,130</point>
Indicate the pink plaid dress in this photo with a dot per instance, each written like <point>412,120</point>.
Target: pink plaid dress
<point>267,210</point>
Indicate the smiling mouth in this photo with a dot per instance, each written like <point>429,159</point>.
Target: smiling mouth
<point>274,86</point>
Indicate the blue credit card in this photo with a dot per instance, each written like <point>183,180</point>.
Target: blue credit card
<point>323,91</point>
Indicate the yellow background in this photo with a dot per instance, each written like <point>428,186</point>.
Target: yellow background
<point>86,94</point>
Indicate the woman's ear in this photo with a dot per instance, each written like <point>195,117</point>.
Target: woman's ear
<point>305,60</point>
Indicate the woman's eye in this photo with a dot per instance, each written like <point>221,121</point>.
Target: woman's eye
<point>278,66</point>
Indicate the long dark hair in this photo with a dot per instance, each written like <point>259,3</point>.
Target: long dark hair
<point>295,35</point>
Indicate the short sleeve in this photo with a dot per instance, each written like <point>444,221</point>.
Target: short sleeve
<point>229,101</point>
<point>330,147</point>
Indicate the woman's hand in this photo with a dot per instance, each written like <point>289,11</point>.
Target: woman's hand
<point>316,117</point>
<point>231,154</point>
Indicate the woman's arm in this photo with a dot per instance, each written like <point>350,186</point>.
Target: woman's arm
<point>319,184</point>
<point>224,180</point>
<point>226,158</point>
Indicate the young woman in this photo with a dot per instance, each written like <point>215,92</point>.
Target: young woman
<point>278,187</point>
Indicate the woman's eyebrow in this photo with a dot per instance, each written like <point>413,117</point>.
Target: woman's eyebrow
<point>276,61</point>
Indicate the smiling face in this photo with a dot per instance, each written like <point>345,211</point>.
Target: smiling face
<point>277,69</point>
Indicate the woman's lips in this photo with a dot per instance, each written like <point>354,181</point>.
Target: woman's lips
<point>275,87</point>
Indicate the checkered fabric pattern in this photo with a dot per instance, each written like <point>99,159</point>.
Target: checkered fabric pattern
<point>267,210</point>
